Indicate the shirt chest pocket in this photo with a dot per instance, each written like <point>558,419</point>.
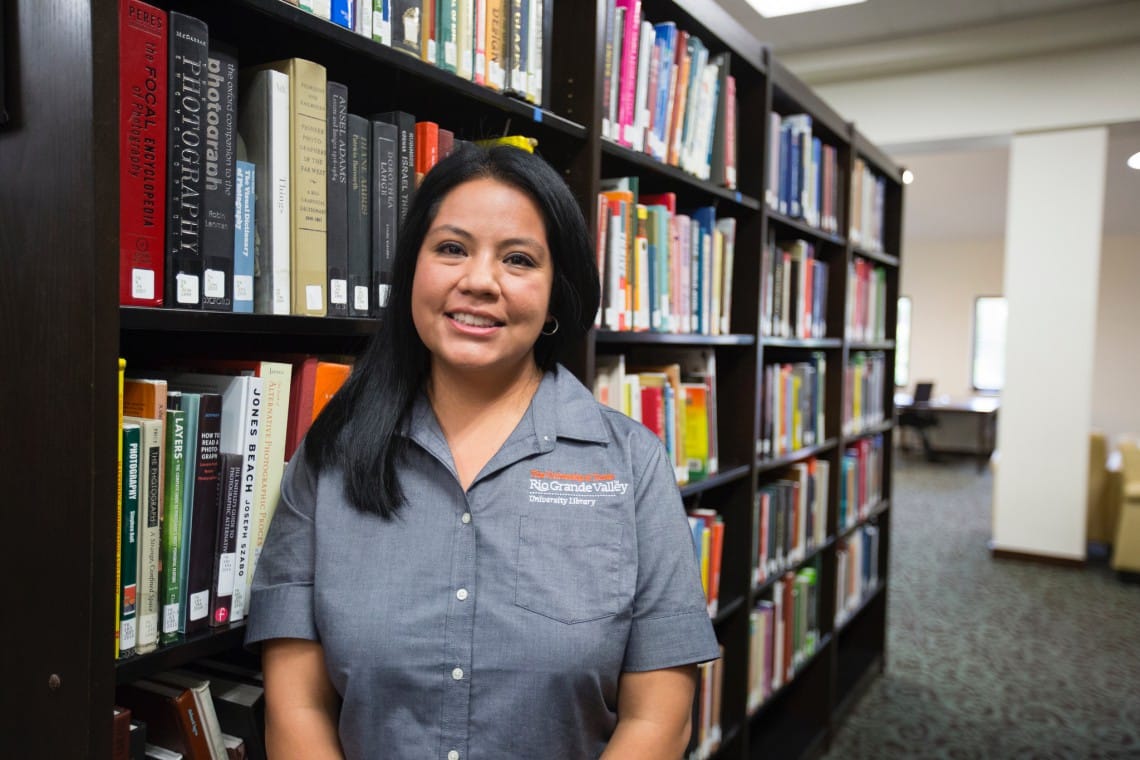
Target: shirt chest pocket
<point>569,570</point>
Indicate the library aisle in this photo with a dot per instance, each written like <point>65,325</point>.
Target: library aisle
<point>993,658</point>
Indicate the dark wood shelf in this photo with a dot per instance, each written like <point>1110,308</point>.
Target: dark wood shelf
<point>145,319</point>
<point>865,602</point>
<point>803,227</point>
<point>174,655</point>
<point>811,343</point>
<point>809,555</point>
<point>875,511</point>
<point>646,162</point>
<point>881,427</point>
<point>872,345</point>
<point>822,645</point>
<point>879,256</point>
<point>728,610</point>
<point>767,465</point>
<point>724,477</point>
<point>672,339</point>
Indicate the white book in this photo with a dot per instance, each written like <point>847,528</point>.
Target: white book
<point>465,38</point>
<point>381,21</point>
<point>636,133</point>
<point>155,752</point>
<point>263,122</point>
<point>362,21</point>
<point>200,688</point>
<point>150,532</point>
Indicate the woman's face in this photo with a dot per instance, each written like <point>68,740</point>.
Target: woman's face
<point>483,278</point>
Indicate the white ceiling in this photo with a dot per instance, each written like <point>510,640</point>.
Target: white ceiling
<point>960,190</point>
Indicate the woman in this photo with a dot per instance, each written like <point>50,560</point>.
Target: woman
<point>471,557</point>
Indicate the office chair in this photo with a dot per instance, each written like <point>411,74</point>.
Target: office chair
<point>920,421</point>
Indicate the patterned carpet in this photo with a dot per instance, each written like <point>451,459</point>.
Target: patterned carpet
<point>993,658</point>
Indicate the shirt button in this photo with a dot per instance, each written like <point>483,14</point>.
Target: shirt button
<point>466,518</point>
<point>452,755</point>
<point>457,674</point>
<point>461,594</point>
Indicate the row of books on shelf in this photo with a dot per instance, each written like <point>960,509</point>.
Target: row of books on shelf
<point>790,515</point>
<point>675,397</point>
<point>866,317</point>
<point>665,95</point>
<point>707,527</point>
<point>495,43</point>
<point>662,269</point>
<point>868,207</point>
<point>209,710</point>
<point>864,393</point>
<point>707,733</point>
<point>857,560</point>
<point>861,480</point>
<point>792,408</point>
<point>783,633</point>
<point>255,190</point>
<point>793,290</point>
<point>203,452</point>
<point>804,180</point>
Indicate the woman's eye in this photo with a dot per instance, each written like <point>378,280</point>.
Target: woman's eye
<point>451,249</point>
<point>520,260</point>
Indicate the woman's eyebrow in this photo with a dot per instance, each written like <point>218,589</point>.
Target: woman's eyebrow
<point>452,229</point>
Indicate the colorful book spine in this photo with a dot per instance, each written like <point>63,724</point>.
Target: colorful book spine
<point>244,181</point>
<point>142,151</point>
<point>225,557</point>
<point>171,597</point>
<point>128,564</point>
<point>220,155</point>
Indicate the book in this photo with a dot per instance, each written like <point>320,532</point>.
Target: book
<point>389,195</point>
<point>142,153</point>
<point>189,403</point>
<point>240,708</point>
<point>188,44</point>
<point>171,716</point>
<point>121,734</point>
<point>337,198</point>
<point>203,514</point>
<point>128,560</point>
<point>359,216</point>
<point>174,469</point>
<point>263,123</point>
<point>496,45</point>
<point>314,383</point>
<point>200,688</point>
<point>220,157</point>
<point>381,20</point>
<point>406,17</point>
<point>226,539</point>
<point>149,531</point>
<point>308,238</point>
<point>245,180</point>
<point>119,385</point>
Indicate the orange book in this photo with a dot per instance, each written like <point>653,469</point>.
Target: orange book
<point>427,147</point>
<point>314,383</point>
<point>144,398</point>
<point>330,376</point>
<point>715,551</point>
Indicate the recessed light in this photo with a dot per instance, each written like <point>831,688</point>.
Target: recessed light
<point>907,176</point>
<point>773,8</point>
<point>1134,161</point>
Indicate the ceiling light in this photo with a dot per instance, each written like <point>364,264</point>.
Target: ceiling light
<point>907,177</point>
<point>1134,161</point>
<point>773,8</point>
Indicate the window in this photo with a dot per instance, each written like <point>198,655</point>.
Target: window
<point>988,361</point>
<point>902,343</point>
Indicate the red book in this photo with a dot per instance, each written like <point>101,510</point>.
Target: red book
<point>314,383</point>
<point>427,147</point>
<point>653,409</point>
<point>446,142</point>
<point>142,153</point>
<point>668,200</point>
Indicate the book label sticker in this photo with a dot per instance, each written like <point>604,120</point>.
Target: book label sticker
<point>186,288</point>
<point>170,617</point>
<point>313,299</point>
<point>449,54</point>
<point>199,605</point>
<point>215,283</point>
<point>148,628</point>
<point>126,634</point>
<point>360,298</point>
<point>142,283</point>
<point>536,114</point>
<point>243,287</point>
<point>338,291</point>
<point>227,565</point>
<point>382,295</point>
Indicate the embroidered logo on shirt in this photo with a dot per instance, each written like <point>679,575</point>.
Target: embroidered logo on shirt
<point>582,488</point>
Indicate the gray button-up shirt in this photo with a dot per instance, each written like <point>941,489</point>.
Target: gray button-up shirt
<point>492,623</point>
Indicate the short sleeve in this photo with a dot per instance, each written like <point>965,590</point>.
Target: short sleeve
<point>281,601</point>
<point>671,624</point>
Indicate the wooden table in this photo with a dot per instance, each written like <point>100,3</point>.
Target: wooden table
<point>983,408</point>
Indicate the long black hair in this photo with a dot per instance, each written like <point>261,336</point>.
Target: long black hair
<point>362,429</point>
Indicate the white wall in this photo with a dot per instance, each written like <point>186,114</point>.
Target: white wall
<point>1116,366</point>
<point>1053,236</point>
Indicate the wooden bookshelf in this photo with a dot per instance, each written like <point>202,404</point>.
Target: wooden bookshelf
<point>59,282</point>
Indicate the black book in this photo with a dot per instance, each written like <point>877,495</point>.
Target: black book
<point>336,259</point>
<point>138,740</point>
<point>407,18</point>
<point>204,517</point>
<point>406,124</point>
<point>359,216</point>
<point>385,209</point>
<point>218,197</point>
<point>189,41</point>
<point>226,537</point>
